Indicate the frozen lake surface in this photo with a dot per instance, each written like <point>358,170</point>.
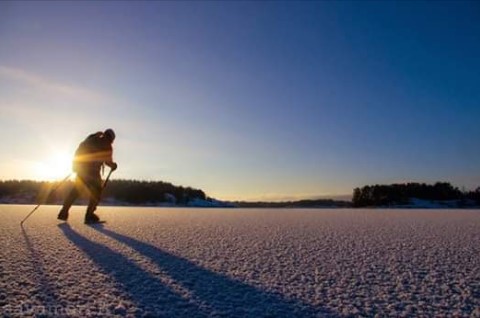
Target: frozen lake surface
<point>240,263</point>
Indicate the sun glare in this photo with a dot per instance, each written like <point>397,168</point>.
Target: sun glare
<point>55,167</point>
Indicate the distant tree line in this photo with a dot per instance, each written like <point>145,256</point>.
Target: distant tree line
<point>25,189</point>
<point>127,191</point>
<point>134,191</point>
<point>400,194</point>
<point>321,203</point>
<point>157,192</point>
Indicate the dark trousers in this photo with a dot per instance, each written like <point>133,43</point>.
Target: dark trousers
<point>90,184</point>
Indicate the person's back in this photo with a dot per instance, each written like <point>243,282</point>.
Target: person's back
<point>92,153</point>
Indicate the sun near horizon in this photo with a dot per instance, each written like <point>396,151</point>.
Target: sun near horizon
<point>53,167</point>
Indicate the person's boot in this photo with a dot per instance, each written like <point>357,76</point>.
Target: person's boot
<point>63,215</point>
<point>92,218</point>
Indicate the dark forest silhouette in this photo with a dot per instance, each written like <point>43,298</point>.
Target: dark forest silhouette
<point>134,192</point>
<point>126,191</point>
<point>401,194</point>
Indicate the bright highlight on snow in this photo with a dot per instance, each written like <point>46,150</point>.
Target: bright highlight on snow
<point>55,167</point>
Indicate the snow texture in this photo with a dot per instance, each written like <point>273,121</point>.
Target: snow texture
<point>165,262</point>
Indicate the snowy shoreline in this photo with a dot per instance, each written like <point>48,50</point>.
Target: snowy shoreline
<point>212,203</point>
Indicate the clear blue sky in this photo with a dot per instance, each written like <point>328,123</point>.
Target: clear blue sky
<point>245,100</point>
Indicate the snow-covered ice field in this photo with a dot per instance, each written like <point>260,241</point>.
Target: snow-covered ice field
<point>240,263</point>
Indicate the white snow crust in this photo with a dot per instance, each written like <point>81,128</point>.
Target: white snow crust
<point>174,262</point>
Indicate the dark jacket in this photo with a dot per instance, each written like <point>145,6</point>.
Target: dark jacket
<point>91,154</point>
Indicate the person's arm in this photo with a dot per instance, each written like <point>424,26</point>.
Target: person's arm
<point>112,165</point>
<point>109,159</point>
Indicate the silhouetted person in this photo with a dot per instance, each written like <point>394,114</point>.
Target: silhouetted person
<point>90,157</point>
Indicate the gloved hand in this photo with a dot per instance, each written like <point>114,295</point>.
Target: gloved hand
<point>113,166</point>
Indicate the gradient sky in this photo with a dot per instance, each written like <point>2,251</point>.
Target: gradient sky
<point>245,100</point>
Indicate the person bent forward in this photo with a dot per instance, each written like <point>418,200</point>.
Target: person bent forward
<point>90,157</point>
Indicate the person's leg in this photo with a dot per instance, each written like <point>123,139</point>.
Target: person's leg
<point>69,200</point>
<point>95,189</point>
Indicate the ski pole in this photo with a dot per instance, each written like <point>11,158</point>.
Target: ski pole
<point>106,180</point>
<point>48,196</point>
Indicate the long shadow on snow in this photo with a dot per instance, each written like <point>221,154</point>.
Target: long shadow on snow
<point>45,291</point>
<point>226,296</point>
<point>154,298</point>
